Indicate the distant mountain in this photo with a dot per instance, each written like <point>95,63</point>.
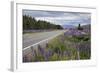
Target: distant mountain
<point>68,26</point>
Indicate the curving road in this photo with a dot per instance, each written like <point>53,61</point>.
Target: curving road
<point>32,38</point>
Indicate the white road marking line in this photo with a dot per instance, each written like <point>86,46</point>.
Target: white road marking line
<point>42,41</point>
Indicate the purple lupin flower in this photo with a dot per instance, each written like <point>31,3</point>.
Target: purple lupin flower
<point>33,51</point>
<point>47,45</point>
<point>46,56</point>
<point>44,53</point>
<point>50,53</point>
<point>41,50</point>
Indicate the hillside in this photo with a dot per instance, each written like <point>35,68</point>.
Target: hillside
<point>30,23</point>
<point>68,26</point>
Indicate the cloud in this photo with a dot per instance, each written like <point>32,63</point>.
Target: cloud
<point>62,18</point>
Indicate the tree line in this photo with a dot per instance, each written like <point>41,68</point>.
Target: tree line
<point>30,23</point>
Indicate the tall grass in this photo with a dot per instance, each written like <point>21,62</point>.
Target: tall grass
<point>63,47</point>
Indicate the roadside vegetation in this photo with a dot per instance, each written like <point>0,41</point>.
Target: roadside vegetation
<point>74,44</point>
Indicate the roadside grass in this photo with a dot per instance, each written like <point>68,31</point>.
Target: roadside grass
<point>64,48</point>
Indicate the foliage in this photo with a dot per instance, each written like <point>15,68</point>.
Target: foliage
<point>30,23</point>
<point>79,27</point>
<point>72,45</point>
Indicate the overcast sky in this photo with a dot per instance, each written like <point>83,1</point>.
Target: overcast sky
<point>61,18</point>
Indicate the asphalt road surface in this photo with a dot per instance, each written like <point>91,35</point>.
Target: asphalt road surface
<point>32,38</point>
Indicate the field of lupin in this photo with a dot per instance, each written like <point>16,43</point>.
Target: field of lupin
<point>74,44</point>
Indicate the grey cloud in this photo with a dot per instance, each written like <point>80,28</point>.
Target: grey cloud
<point>60,17</point>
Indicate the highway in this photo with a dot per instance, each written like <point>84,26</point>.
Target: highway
<point>32,38</point>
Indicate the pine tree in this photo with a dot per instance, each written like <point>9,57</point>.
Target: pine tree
<point>79,27</point>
